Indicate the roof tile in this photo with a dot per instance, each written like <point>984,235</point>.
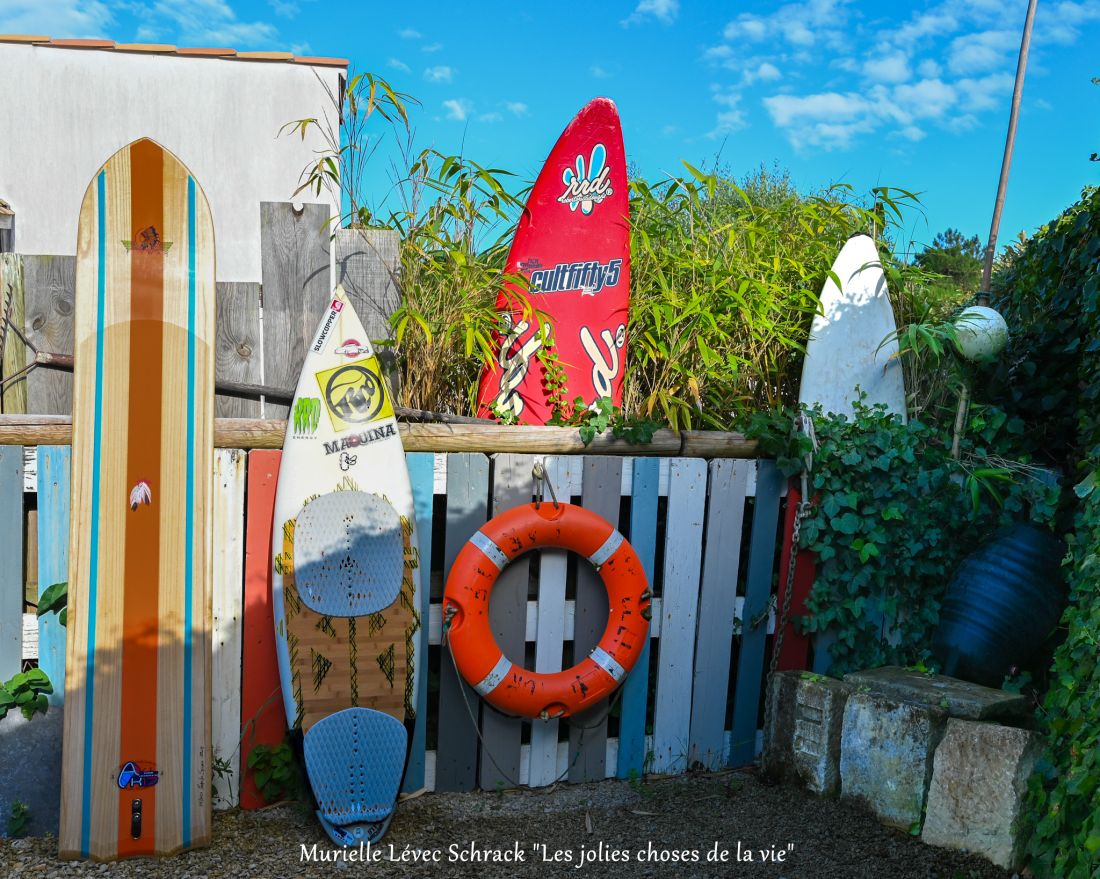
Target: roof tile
<point>84,44</point>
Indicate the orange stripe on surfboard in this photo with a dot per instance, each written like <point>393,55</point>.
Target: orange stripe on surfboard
<point>138,728</point>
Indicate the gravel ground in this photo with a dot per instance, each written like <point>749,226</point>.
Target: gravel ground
<point>816,838</point>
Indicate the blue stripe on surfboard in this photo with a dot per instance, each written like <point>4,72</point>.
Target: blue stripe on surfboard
<point>422,477</point>
<point>93,562</point>
<point>53,558</point>
<point>643,537</point>
<point>189,537</point>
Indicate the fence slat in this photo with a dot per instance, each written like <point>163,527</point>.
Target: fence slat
<point>643,537</point>
<point>717,606</point>
<point>263,719</point>
<point>11,570</point>
<point>421,475</point>
<point>53,558</point>
<point>237,345</point>
<point>225,669</point>
<point>500,735</point>
<point>550,629</point>
<point>12,304</point>
<point>601,493</point>
<point>366,262</point>
<point>795,654</point>
<point>687,490</point>
<point>467,505</point>
<point>294,254</point>
<point>49,292</point>
<point>758,592</point>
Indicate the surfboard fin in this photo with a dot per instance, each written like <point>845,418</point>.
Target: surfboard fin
<point>355,759</point>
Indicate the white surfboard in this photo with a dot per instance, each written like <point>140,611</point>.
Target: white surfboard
<point>345,580</point>
<point>843,355</point>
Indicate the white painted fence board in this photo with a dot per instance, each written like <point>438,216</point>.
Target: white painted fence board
<point>717,611</point>
<point>676,648</point>
<point>30,636</point>
<point>549,623</point>
<point>228,596</point>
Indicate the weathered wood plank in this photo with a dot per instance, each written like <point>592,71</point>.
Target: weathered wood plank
<point>643,537</point>
<point>53,558</point>
<point>687,491</point>
<point>225,671</point>
<point>758,593</point>
<point>421,476</point>
<point>550,628</point>
<point>467,508</point>
<point>500,735</point>
<point>294,254</point>
<point>251,433</point>
<point>14,399</point>
<point>717,608</point>
<point>367,262</point>
<point>237,350</point>
<point>50,294</point>
<point>601,494</point>
<point>11,570</point>
<point>263,719</point>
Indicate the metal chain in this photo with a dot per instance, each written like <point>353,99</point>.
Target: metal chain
<point>802,424</point>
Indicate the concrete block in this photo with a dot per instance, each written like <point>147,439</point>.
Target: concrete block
<point>957,698</point>
<point>802,743</point>
<point>976,798</point>
<point>886,755</point>
<point>30,768</point>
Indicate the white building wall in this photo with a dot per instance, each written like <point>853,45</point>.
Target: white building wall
<point>64,112</point>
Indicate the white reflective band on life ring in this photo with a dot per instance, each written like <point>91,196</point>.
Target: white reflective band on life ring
<point>608,662</point>
<point>601,555</point>
<point>495,553</point>
<point>492,680</point>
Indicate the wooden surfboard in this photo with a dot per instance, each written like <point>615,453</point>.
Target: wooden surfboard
<point>346,579</point>
<point>573,245</point>
<point>136,760</point>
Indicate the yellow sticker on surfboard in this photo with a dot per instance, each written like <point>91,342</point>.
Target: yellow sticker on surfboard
<point>354,394</point>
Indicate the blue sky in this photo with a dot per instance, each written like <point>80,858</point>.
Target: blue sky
<point>913,95</point>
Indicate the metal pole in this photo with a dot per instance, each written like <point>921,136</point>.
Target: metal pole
<point>1006,162</point>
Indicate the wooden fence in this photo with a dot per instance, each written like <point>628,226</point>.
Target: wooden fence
<point>706,528</point>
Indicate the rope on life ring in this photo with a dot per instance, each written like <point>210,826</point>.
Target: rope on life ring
<point>479,659</point>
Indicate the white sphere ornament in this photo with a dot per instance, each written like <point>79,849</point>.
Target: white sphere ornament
<point>980,333</point>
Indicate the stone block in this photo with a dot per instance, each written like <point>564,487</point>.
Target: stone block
<point>976,799</point>
<point>957,698</point>
<point>886,755</point>
<point>30,768</point>
<point>802,744</point>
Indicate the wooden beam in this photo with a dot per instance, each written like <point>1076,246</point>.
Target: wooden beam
<point>256,433</point>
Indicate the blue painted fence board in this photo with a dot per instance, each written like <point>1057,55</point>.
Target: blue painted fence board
<point>422,477</point>
<point>643,537</point>
<point>758,593</point>
<point>53,558</point>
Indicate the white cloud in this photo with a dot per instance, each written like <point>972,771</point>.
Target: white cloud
<point>440,73</point>
<point>598,72</point>
<point>490,117</point>
<point>764,72</point>
<point>398,64</point>
<point>891,67</point>
<point>929,69</point>
<point>201,23</point>
<point>1062,22</point>
<point>730,119</point>
<point>409,34</point>
<point>284,8</point>
<point>431,47</point>
<point>927,99</point>
<point>986,92</point>
<point>981,51</point>
<point>664,11</point>
<point>516,108</point>
<point>63,18</point>
<point>935,23</point>
<point>912,133</point>
<point>799,24</point>
<point>458,108</point>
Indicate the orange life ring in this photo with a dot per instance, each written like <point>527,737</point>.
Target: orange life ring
<point>481,662</point>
